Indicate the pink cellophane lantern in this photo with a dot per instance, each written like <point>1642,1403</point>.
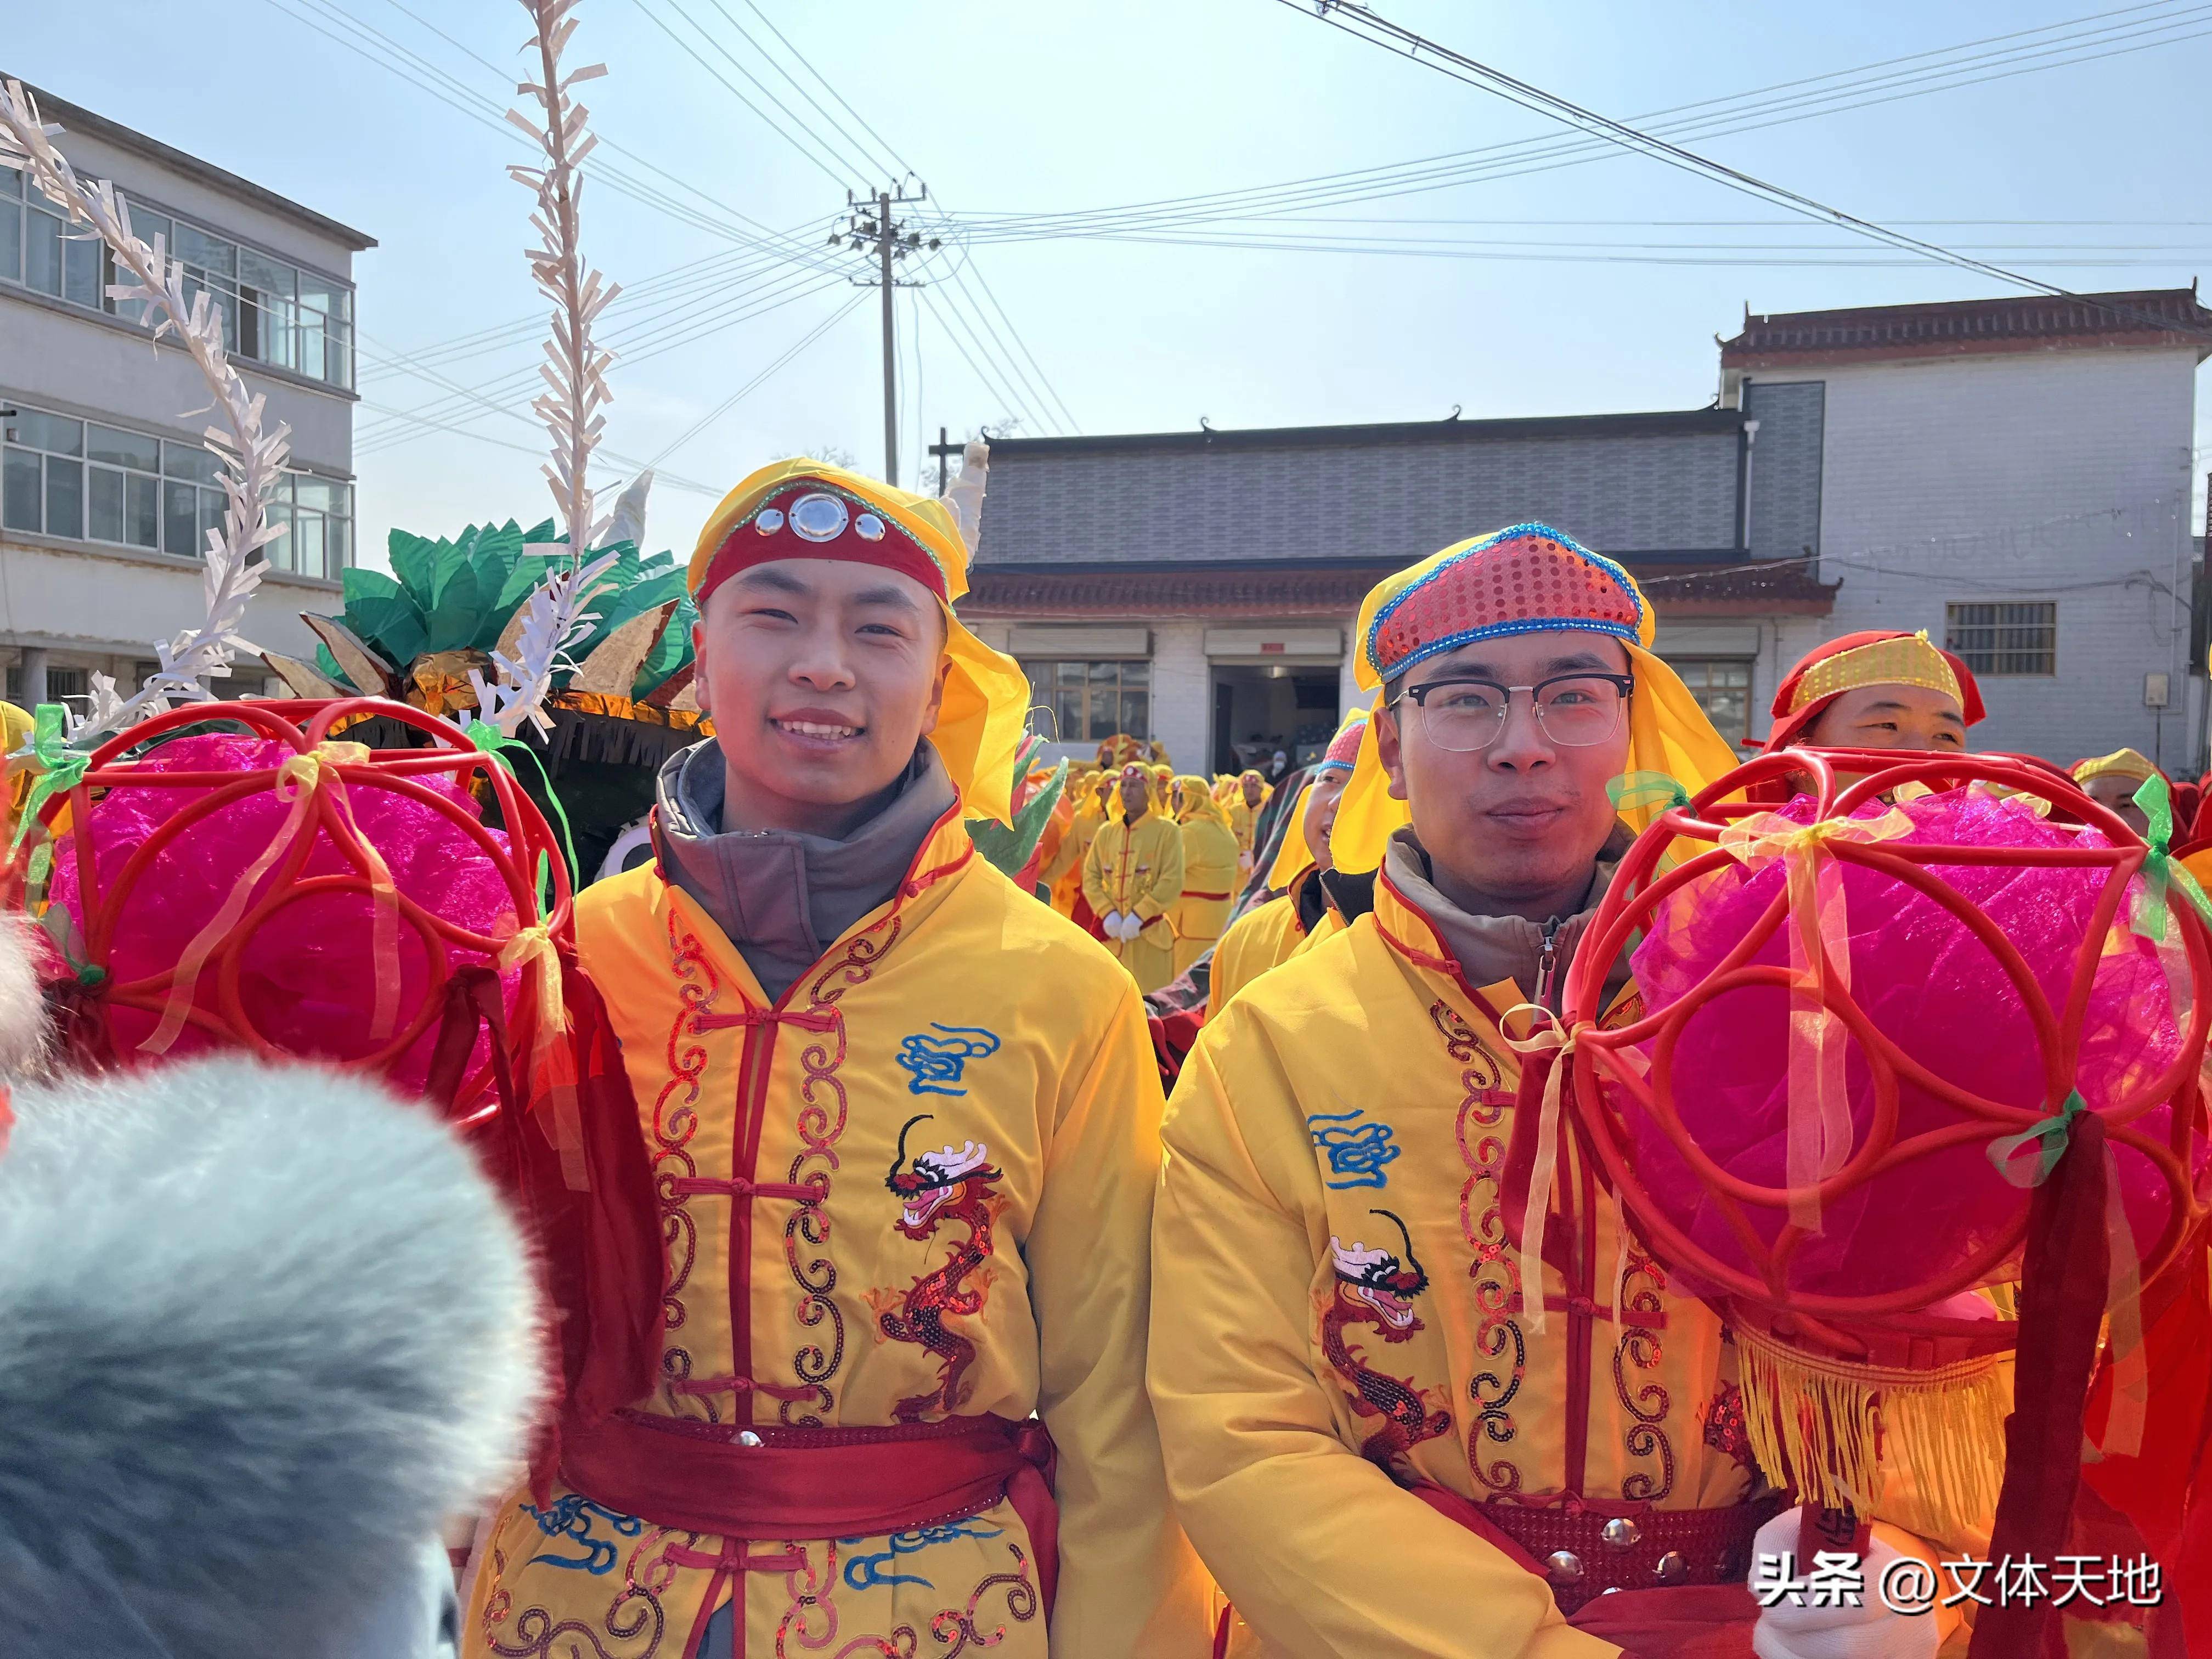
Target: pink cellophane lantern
<point>297,894</point>
<point>1847,1004</point>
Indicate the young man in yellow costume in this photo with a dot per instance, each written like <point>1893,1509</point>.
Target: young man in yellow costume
<point>904,1120</point>
<point>1209,872</point>
<point>1378,1445</point>
<point>1268,933</point>
<point>1132,877</point>
<point>1084,802</point>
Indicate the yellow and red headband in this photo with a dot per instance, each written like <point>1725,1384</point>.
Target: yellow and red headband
<point>815,519</point>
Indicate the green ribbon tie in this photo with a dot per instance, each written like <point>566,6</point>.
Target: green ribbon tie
<point>2050,1138</point>
<point>2160,872</point>
<point>496,744</point>
<point>1634,789</point>
<point>62,766</point>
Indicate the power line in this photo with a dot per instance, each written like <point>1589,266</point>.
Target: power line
<point>1731,113</point>
<point>849,173</point>
<point>1371,27</point>
<point>731,401</point>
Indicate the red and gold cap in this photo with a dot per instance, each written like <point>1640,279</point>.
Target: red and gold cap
<point>1344,748</point>
<point>1852,662</point>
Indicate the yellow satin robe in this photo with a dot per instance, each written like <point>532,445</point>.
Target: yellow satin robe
<point>1257,940</point>
<point>1209,866</point>
<point>1359,1098</point>
<point>957,1016</point>
<point>1137,870</point>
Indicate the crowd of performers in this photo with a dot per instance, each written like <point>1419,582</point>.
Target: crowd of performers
<point>1128,1273</point>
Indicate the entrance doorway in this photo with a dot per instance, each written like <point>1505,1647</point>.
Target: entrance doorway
<point>1257,710</point>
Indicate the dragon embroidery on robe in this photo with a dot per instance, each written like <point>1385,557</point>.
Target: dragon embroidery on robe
<point>952,1184</point>
<point>1375,1287</point>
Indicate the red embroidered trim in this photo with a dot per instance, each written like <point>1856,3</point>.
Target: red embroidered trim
<point>674,1126</point>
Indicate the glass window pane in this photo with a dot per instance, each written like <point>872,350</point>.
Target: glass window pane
<point>1136,673</point>
<point>210,518</point>
<point>146,225</point>
<point>337,355</point>
<point>11,241</point>
<point>180,513</point>
<point>210,254</point>
<point>11,182</point>
<point>186,461</point>
<point>64,497</point>
<point>42,252</point>
<point>1102,674</point>
<point>271,278</point>
<point>141,513</point>
<point>105,523</point>
<point>307,535</point>
<point>337,546</point>
<point>104,443</point>
<point>19,491</point>
<point>1104,723</point>
<point>81,262</point>
<point>281,552</point>
<point>1136,719</point>
<point>317,493</point>
<point>52,432</point>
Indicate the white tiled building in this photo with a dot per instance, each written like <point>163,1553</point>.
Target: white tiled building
<point>105,487</point>
<point>2014,476</point>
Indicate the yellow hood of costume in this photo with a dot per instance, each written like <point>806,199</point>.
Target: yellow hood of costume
<point>987,695</point>
<point>1668,730</point>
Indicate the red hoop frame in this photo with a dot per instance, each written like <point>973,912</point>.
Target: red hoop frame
<point>302,725</point>
<point>1601,1079</point>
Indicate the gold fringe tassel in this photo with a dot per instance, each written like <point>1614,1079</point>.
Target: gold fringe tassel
<point>1834,1430</point>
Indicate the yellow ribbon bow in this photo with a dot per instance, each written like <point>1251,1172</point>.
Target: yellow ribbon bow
<point>1819,1129</point>
<point>1559,1041</point>
<point>531,950</point>
<point>300,780</point>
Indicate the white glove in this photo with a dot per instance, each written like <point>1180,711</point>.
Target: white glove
<point>1790,1630</point>
<point>1110,924</point>
<point>1132,925</point>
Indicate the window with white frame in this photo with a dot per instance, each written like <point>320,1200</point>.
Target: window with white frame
<point>2004,638</point>
<point>1090,701</point>
<point>90,482</point>
<point>273,312</point>
<point>1722,686</point>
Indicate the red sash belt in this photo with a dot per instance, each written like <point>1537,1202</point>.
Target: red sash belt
<point>801,1484</point>
<point>1187,894</point>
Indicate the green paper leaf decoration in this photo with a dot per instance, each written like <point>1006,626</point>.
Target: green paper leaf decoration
<point>414,561</point>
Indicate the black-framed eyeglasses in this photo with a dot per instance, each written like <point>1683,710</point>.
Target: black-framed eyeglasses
<point>1575,710</point>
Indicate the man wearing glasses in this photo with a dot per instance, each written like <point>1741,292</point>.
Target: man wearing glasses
<point>1381,1441</point>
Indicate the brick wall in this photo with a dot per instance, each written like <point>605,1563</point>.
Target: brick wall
<point>1397,502</point>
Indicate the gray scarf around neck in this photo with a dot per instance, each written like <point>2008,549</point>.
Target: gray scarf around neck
<point>783,897</point>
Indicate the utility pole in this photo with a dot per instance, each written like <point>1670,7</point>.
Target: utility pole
<point>944,452</point>
<point>870,224</point>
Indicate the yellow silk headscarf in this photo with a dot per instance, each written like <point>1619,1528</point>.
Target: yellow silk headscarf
<point>1293,858</point>
<point>1668,730</point>
<point>987,695</point>
<point>2121,763</point>
<point>1198,802</point>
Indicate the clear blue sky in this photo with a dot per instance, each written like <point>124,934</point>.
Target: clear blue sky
<point>1051,108</point>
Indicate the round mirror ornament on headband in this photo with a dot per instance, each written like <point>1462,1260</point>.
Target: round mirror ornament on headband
<point>868,527</point>
<point>819,518</point>
<point>769,521</point>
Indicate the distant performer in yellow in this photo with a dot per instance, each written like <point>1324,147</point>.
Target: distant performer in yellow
<point>1209,872</point>
<point>1132,877</point>
<point>1251,794</point>
<point>2112,780</point>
